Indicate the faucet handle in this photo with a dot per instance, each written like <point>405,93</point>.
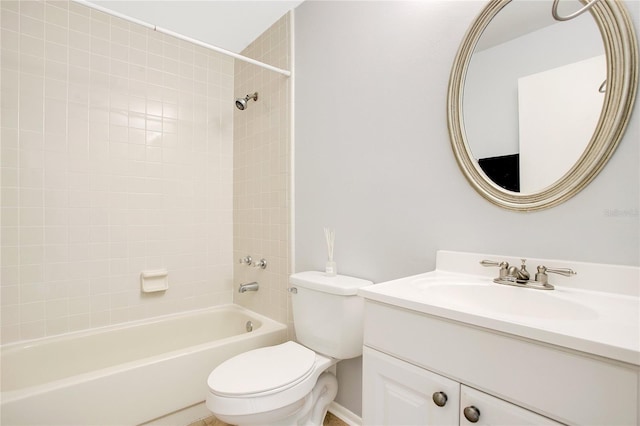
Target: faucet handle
<point>262,264</point>
<point>567,272</point>
<point>541,275</point>
<point>494,263</point>
<point>504,266</point>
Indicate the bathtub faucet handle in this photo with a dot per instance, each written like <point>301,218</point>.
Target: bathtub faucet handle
<point>262,264</point>
<point>247,260</point>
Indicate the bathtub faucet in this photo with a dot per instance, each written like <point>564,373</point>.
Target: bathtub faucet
<point>248,287</point>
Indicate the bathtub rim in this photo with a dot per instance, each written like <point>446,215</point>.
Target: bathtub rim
<point>267,325</point>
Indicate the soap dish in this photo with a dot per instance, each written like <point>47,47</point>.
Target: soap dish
<point>153,281</point>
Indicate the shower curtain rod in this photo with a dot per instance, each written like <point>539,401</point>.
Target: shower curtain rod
<point>183,37</point>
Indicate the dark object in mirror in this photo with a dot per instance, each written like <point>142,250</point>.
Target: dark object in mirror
<point>503,170</point>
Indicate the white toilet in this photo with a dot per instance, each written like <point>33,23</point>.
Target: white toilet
<point>289,384</point>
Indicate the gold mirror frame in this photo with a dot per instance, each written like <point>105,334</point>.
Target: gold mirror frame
<point>621,52</point>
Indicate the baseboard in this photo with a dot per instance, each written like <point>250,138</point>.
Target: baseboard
<point>344,414</point>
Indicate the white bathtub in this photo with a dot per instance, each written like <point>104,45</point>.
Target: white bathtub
<point>128,374</point>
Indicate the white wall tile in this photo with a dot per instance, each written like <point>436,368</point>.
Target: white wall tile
<point>101,176</point>
<point>260,215</point>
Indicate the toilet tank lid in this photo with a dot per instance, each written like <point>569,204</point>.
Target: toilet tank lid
<point>319,281</point>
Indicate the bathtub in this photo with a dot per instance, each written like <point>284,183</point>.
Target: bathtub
<point>127,374</point>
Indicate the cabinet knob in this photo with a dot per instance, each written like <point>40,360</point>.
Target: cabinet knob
<point>440,398</point>
<point>472,414</point>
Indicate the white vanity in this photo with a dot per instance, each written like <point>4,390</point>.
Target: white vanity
<point>452,347</point>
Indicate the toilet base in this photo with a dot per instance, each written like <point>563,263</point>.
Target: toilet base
<point>318,401</point>
<point>308,411</point>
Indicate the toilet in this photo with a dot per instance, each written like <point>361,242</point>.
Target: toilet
<point>293,383</point>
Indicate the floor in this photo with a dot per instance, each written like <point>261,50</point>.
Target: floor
<point>329,420</point>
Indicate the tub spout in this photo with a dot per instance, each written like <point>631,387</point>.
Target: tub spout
<point>248,287</point>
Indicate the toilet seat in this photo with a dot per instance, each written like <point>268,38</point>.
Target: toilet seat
<point>263,371</point>
<point>284,393</point>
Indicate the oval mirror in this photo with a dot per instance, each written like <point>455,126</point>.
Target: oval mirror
<point>537,105</point>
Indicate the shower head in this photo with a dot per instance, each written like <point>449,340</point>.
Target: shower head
<point>242,103</point>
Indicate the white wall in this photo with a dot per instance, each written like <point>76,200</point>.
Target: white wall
<point>491,95</point>
<point>373,157</point>
<point>558,111</point>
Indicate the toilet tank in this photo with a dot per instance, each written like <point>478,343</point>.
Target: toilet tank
<point>328,313</point>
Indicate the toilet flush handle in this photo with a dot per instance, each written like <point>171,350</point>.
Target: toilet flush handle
<point>292,290</point>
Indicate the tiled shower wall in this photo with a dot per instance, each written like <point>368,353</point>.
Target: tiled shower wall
<point>261,175</point>
<point>116,157</point>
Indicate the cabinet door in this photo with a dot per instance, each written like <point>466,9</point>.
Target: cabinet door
<point>489,410</point>
<point>398,393</point>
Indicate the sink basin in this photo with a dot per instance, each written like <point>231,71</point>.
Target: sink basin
<point>501,299</point>
<point>597,311</point>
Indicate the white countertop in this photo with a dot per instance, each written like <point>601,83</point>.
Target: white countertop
<point>606,324</point>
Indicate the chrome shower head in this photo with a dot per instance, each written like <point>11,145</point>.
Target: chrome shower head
<point>242,103</point>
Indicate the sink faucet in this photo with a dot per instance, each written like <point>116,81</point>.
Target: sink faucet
<point>520,277</point>
<point>519,274</point>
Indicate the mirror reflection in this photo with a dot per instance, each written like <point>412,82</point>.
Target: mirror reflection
<point>531,95</point>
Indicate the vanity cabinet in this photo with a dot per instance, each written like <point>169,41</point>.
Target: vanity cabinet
<point>409,356</point>
<point>397,392</point>
<point>490,410</point>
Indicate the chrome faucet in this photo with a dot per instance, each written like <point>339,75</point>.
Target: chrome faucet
<point>519,274</point>
<point>248,287</point>
<point>520,277</point>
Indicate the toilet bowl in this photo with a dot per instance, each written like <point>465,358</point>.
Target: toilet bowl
<point>275,385</point>
<point>291,383</point>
